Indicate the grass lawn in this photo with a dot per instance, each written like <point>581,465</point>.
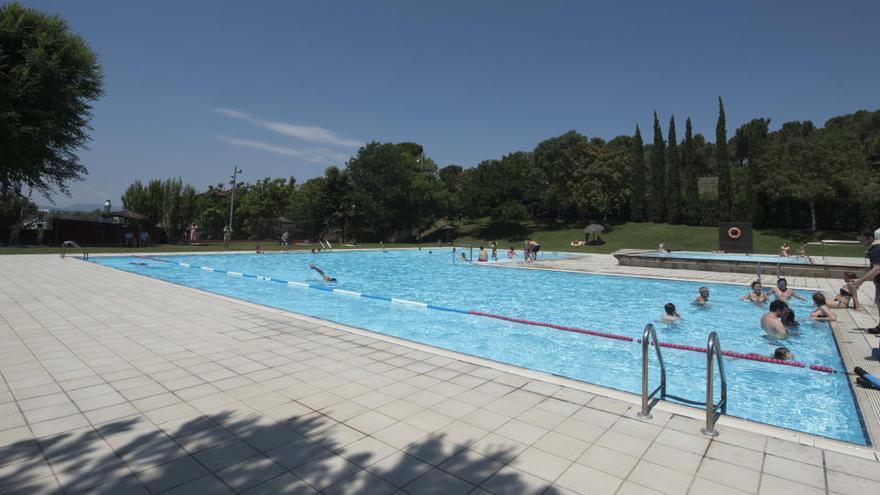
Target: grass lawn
<point>678,237</point>
<point>629,235</point>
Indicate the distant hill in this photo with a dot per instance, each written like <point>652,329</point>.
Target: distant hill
<point>84,207</point>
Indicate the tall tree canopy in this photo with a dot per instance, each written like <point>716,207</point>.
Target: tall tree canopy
<point>638,206</point>
<point>656,207</point>
<point>816,165</point>
<point>725,188</point>
<point>48,80</point>
<point>690,176</point>
<point>393,190</point>
<point>673,176</point>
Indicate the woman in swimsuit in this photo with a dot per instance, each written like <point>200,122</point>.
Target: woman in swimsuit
<point>847,293</point>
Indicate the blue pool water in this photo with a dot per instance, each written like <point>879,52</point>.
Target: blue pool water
<point>794,398</point>
<point>753,258</point>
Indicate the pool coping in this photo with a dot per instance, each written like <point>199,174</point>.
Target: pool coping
<point>639,259</point>
<point>868,452</point>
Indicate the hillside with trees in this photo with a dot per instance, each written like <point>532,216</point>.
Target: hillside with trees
<point>798,176</point>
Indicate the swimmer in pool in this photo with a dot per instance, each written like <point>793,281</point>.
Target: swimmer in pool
<point>783,292</point>
<point>783,354</point>
<point>463,256</point>
<point>703,298</point>
<point>823,312</point>
<point>771,322</point>
<point>757,294</point>
<point>327,278</point>
<point>138,263</point>
<point>671,315</point>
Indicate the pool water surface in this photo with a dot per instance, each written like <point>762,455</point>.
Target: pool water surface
<point>795,398</point>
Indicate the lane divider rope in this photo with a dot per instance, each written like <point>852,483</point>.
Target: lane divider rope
<point>394,300</point>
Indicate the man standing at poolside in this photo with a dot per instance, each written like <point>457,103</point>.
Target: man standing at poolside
<point>873,254</point>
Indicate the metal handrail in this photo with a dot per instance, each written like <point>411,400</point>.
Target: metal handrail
<point>713,410</point>
<point>73,244</point>
<point>649,336</point>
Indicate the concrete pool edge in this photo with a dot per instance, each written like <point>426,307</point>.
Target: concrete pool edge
<point>639,259</point>
<point>633,399</point>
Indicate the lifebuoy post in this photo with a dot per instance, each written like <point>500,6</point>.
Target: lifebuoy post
<point>735,237</point>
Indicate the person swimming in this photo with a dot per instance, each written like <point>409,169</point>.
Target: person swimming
<point>327,278</point>
<point>670,313</point>
<point>757,294</point>
<point>703,298</point>
<point>783,292</point>
<point>823,312</point>
<point>783,354</point>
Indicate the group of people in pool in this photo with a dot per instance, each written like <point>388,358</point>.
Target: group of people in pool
<point>530,250</point>
<point>780,318</point>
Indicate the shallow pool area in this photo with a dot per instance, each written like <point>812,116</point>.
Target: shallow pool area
<point>795,398</point>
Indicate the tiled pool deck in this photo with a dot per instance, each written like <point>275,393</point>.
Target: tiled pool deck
<point>115,383</point>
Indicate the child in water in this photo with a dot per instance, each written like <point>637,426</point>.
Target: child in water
<point>823,312</point>
<point>671,315</point>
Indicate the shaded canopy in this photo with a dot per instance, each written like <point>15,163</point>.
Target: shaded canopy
<point>593,228</point>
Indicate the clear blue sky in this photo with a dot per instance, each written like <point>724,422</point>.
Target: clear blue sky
<point>284,88</point>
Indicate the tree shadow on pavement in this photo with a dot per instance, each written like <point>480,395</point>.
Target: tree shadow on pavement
<point>253,454</point>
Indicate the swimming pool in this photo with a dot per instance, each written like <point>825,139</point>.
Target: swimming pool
<point>795,398</point>
<point>751,258</point>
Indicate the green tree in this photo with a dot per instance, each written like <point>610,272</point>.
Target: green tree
<point>673,176</point>
<point>812,166</point>
<point>657,195</point>
<point>603,186</point>
<point>722,159</point>
<point>261,205</point>
<point>451,177</point>
<point>556,160</point>
<point>48,80</point>
<point>395,192</point>
<point>144,199</point>
<point>751,138</point>
<point>690,177</point>
<point>490,188</point>
<point>638,210</point>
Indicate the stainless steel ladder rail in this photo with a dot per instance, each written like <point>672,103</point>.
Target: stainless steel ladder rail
<point>73,244</point>
<point>649,337</point>
<point>713,410</point>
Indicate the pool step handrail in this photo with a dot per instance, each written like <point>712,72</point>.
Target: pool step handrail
<point>713,410</point>
<point>73,244</point>
<point>329,247</point>
<point>649,400</point>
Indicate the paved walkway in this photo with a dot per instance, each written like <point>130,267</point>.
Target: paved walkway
<point>115,383</point>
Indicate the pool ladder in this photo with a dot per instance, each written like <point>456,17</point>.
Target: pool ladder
<point>713,356</point>
<point>73,244</point>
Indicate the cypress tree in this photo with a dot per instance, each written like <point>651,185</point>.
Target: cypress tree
<point>658,175</point>
<point>725,192</point>
<point>673,176</point>
<point>690,177</point>
<point>637,207</point>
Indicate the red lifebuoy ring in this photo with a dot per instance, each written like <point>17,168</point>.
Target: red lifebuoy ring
<point>734,233</point>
